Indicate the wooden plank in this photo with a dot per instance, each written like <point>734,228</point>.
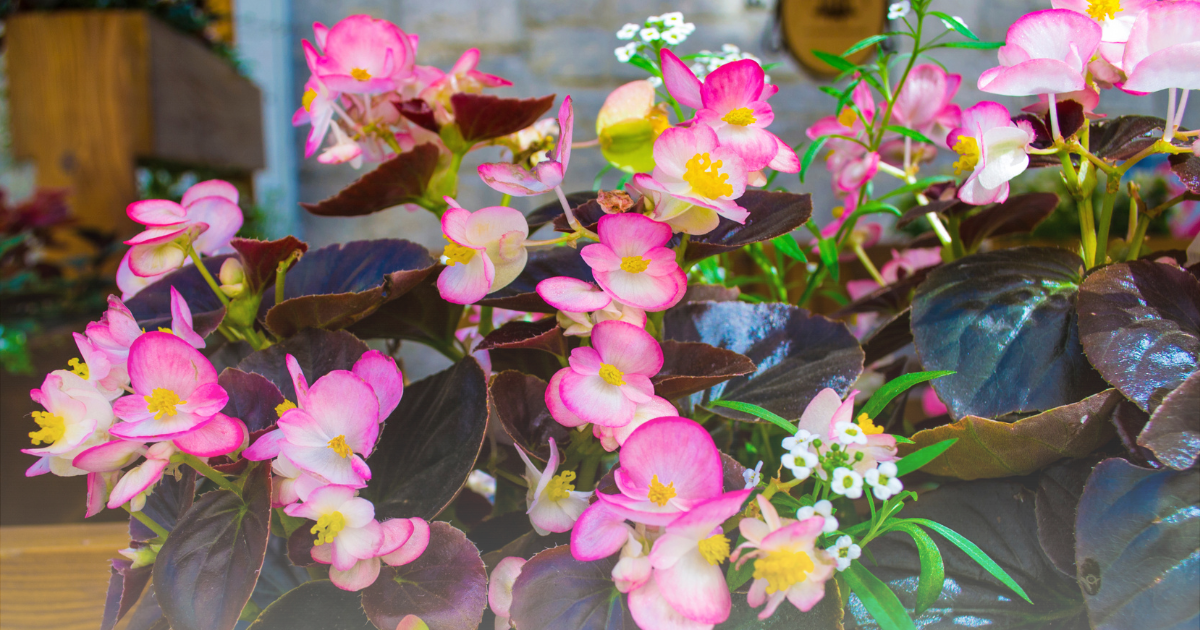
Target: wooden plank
<point>56,576</point>
<point>830,26</point>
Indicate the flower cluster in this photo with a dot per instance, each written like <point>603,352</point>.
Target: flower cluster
<point>654,34</point>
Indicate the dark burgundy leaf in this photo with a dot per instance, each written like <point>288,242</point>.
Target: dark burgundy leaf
<point>525,546</point>
<point>940,206</point>
<point>892,335</point>
<point>300,545</point>
<point>1019,215</point>
<point>691,366</point>
<point>420,113</point>
<point>827,614</point>
<point>588,214</point>
<point>1135,549</point>
<point>261,259</point>
<point>519,401</point>
<point>1041,131</point>
<point>484,117</point>
<point>1004,321</point>
<point>315,605</point>
<point>1140,327</point>
<point>1186,166</point>
<point>798,354</point>
<point>540,364</point>
<point>1129,421</point>
<point>446,587</point>
<point>771,214</point>
<point>318,352</point>
<point>1123,137</point>
<point>697,292</point>
<point>125,586</point>
<point>731,474</point>
<point>546,213</point>
<point>152,305</point>
<point>421,316</point>
<point>1058,491</point>
<point>278,575</point>
<point>429,444</point>
<point>207,569</point>
<point>252,398</point>
<point>337,286</point>
<point>1174,430</point>
<point>172,497</point>
<point>521,294</point>
<point>889,299</point>
<point>557,591</point>
<point>1070,118</point>
<point>401,179</point>
<point>543,334</point>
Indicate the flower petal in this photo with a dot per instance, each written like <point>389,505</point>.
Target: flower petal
<point>627,347</point>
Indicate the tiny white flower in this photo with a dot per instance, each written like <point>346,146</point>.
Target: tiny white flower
<point>883,481</point>
<point>801,462</point>
<point>820,508</point>
<point>847,483</point>
<point>674,36</point>
<point>800,440</point>
<point>753,477</point>
<point>626,52</point>
<point>899,9</point>
<point>649,34</point>
<point>687,27</point>
<point>730,49</point>
<point>628,31</point>
<point>844,552</point>
<point>849,433</point>
<point>654,81</point>
<point>674,18</point>
<point>699,69</point>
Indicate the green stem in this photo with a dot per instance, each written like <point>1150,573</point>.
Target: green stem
<point>887,115</point>
<point>1135,246</point>
<point>485,321</point>
<point>587,470</point>
<point>866,262</point>
<point>956,244</point>
<point>1087,229</point>
<point>208,471</point>
<point>506,199</point>
<point>656,318</point>
<point>148,522</point>
<point>212,284</point>
<point>1111,187</point>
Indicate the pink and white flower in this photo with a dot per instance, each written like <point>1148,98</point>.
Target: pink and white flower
<point>902,265</point>
<point>485,251</point>
<point>462,78</point>
<point>344,522</point>
<point>554,505</point>
<point>581,305</point>
<point>404,540</point>
<point>612,438</point>
<point>924,103</point>
<point>633,265</point>
<point>175,389</point>
<point>832,420</point>
<point>1045,52</point>
<point>995,150</point>
<point>606,381</point>
<point>362,55</point>
<point>205,219</point>
<point>514,179</point>
<point>316,109</point>
<point>1115,20</point>
<point>1163,49</point>
<point>500,586</point>
<point>381,373</point>
<point>788,564</point>
<point>692,166</point>
<point>75,417</point>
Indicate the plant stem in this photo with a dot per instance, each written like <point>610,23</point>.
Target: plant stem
<point>148,522</point>
<point>956,244</point>
<point>587,470</point>
<point>1135,246</point>
<point>1112,185</point>
<point>485,320</point>
<point>866,262</point>
<point>1087,229</point>
<point>208,471</point>
<point>507,198</point>
<point>212,284</point>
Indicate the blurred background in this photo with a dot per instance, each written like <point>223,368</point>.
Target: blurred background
<point>103,102</point>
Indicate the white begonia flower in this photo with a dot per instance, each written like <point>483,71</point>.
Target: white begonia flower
<point>883,481</point>
<point>628,31</point>
<point>753,477</point>
<point>801,440</point>
<point>847,483</point>
<point>649,34</point>
<point>801,462</point>
<point>899,9</point>
<point>820,508</point>
<point>844,552</point>
<point>849,433</point>
<point>674,18</point>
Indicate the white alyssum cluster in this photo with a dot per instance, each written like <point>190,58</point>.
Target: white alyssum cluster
<point>657,30</point>
<point>706,60</point>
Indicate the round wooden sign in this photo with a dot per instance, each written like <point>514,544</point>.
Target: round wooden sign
<point>829,26</point>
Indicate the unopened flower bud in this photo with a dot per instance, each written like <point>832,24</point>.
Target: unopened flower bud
<point>233,278</point>
<point>141,556</point>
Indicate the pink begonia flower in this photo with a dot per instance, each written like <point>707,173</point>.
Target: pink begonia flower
<point>76,416</point>
<point>1115,19</point>
<point>995,150</point>
<point>1045,52</point>
<point>181,320</point>
<point>404,540</point>
<point>345,522</point>
<point>1089,98</point>
<point>514,179</point>
<point>362,55</point>
<point>135,484</point>
<point>606,381</point>
<point>96,369</point>
<point>500,586</point>
<point>924,104</point>
<point>290,483</point>
<point>1163,50</point>
<point>383,375</point>
<point>828,417</point>
<point>158,250</point>
<point>633,569</point>
<point>788,564</point>
<point>687,560</point>
<point>316,109</point>
<point>554,505</point>
<point>612,438</point>
<point>632,264</point>
<point>462,78</point>
<point>115,332</point>
<point>485,251</point>
<point>130,283</point>
<point>344,149</point>
<point>691,165</point>
<point>849,163</point>
<point>581,305</point>
<point>211,203</point>
<point>931,404</point>
<point>733,101</point>
<point>175,389</point>
<point>902,265</point>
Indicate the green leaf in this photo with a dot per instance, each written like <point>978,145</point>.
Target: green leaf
<point>837,62</point>
<point>900,439</point>
<point>877,207</point>
<point>878,599</point>
<point>600,176</point>
<point>956,24</point>
<point>787,246</point>
<point>914,461</point>
<point>897,386</point>
<point>933,570</point>
<point>919,185</point>
<point>971,45</point>
<point>972,550</point>
<point>758,412</point>
<point>905,131</point>
<point>736,577</point>
<point>829,256</point>
<point>870,41</point>
<point>810,154</point>
<point>644,64</point>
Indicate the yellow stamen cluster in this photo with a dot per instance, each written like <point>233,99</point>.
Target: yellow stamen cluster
<point>560,487</point>
<point>455,253</point>
<point>327,527</point>
<point>52,428</point>
<point>339,446</point>
<point>162,402</point>
<point>166,330</point>
<point>79,367</point>
<point>741,116</point>
<point>706,178</point>
<point>660,494</point>
<point>1101,10</point>
<point>284,407</point>
<point>634,264</point>
<point>612,375</point>
<point>310,95</point>
<point>783,569</point>
<point>847,117</point>
<point>968,150</point>
<point>360,74</point>
<point>868,427</point>
<point>715,549</point>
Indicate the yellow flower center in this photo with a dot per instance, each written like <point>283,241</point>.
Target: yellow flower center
<point>868,427</point>
<point>741,116</point>
<point>634,264</point>
<point>310,95</point>
<point>360,74</point>
<point>715,549</point>
<point>79,367</point>
<point>706,178</point>
<point>611,374</point>
<point>968,150</point>
<point>162,402</point>
<point>660,494</point>
<point>455,253</point>
<point>52,428</point>
<point>166,330</point>
<point>847,117</point>
<point>1101,10</point>
<point>560,486</point>
<point>283,407</point>
<point>339,446</point>
<point>782,569</point>
<point>328,526</point>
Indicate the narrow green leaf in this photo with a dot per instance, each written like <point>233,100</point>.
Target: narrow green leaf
<point>600,176</point>
<point>897,386</point>
<point>878,599</point>
<point>900,439</point>
<point>830,90</point>
<point>829,255</point>
<point>735,577</point>
<point>933,570</point>
<point>758,412</point>
<point>624,180</point>
<point>917,459</point>
<point>810,154</point>
<point>955,23</point>
<point>877,207</point>
<point>837,62</point>
<point>917,186</point>
<point>846,95</point>
<point>976,554</point>
<point>905,131</point>
<point>644,64</point>
<point>971,45</point>
<point>786,245</point>
<point>870,41</point>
